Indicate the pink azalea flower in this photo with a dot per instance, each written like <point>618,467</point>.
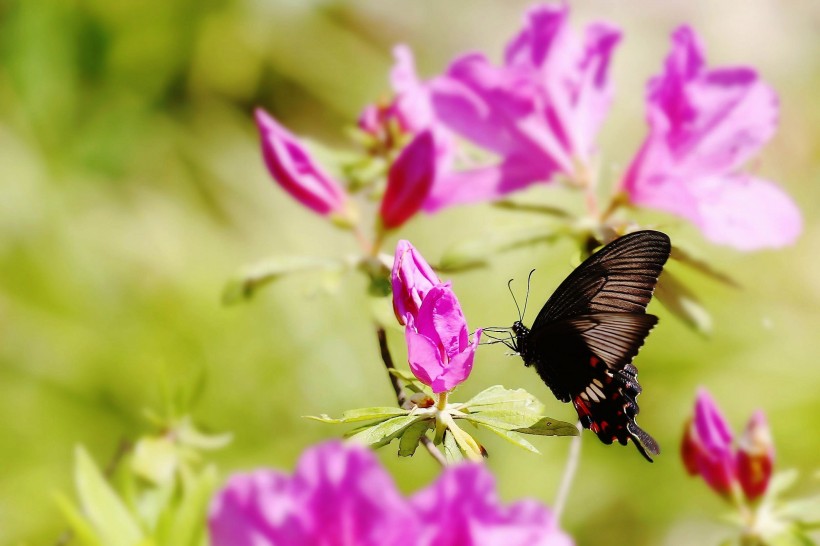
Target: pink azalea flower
<point>295,171</point>
<point>707,445</point>
<point>462,509</point>
<point>704,124</point>
<point>708,450</point>
<point>438,346</point>
<point>755,457</point>
<point>409,181</point>
<point>411,279</point>
<point>338,496</point>
<point>539,113</point>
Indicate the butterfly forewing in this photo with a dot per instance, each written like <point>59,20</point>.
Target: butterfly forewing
<point>619,278</point>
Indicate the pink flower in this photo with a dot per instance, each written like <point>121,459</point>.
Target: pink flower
<point>339,495</point>
<point>409,181</point>
<point>411,280</point>
<point>539,113</point>
<point>438,347</point>
<point>755,458</point>
<point>708,450</point>
<point>704,124</point>
<point>295,171</point>
<point>462,509</point>
<point>707,445</point>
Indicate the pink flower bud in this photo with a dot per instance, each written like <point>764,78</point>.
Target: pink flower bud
<point>755,458</point>
<point>707,446</point>
<point>438,346</point>
<point>409,181</point>
<point>411,279</point>
<point>295,171</point>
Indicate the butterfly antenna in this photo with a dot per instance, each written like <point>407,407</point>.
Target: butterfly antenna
<point>527,297</point>
<point>509,287</point>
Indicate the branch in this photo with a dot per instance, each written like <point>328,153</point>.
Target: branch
<point>401,397</point>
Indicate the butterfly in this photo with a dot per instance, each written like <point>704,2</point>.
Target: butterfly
<point>584,338</point>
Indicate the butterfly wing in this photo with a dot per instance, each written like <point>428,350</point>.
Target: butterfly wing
<point>584,339</point>
<point>588,362</point>
<point>619,278</point>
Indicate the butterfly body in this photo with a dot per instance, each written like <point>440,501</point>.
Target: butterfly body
<point>584,339</point>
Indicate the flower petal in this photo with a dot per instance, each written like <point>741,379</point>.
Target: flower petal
<point>292,167</point>
<point>424,357</point>
<point>411,279</point>
<point>409,181</point>
<point>462,508</point>
<point>458,369</point>
<point>339,495</point>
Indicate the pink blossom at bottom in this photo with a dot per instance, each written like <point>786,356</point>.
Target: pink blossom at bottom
<point>340,495</point>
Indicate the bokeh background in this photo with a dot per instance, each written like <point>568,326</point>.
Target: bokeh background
<point>132,188</point>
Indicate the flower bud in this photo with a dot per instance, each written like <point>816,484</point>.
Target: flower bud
<point>707,446</point>
<point>409,181</point>
<point>438,347</point>
<point>411,279</point>
<point>295,171</point>
<point>755,458</point>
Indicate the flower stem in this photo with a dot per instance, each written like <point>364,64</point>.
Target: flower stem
<point>569,474</point>
<point>401,397</point>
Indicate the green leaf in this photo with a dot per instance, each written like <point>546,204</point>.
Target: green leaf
<point>681,302</point>
<point>361,414</point>
<point>780,483</point>
<point>245,284</point>
<point>475,252</point>
<point>466,443</point>
<point>805,510</point>
<point>531,207</point>
<point>702,266</point>
<point>793,537</point>
<point>186,528</point>
<point>110,517</point>
<point>383,433</point>
<point>188,435</point>
<point>452,453</point>
<point>499,398</point>
<point>550,427</point>
<point>155,459</point>
<point>523,422</point>
<point>83,531</point>
<point>412,436</point>
<point>512,437</point>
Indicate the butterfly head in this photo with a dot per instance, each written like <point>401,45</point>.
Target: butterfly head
<point>519,338</point>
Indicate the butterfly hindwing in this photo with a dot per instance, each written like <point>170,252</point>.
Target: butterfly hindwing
<point>584,339</point>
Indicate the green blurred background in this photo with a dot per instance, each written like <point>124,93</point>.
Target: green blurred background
<point>132,188</point>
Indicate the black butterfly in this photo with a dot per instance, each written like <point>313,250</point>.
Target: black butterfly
<point>584,339</point>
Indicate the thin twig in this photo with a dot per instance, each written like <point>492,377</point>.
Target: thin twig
<point>401,397</point>
<point>569,474</point>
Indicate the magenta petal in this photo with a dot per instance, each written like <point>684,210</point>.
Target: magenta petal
<point>704,124</point>
<point>485,183</point>
<point>409,181</point>
<point>424,357</point>
<point>462,509</point>
<point>441,319</point>
<point>339,495</point>
<point>458,369</point>
<point>710,425</point>
<point>411,279</point>
<point>295,171</point>
<point>745,212</point>
<point>412,104</point>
